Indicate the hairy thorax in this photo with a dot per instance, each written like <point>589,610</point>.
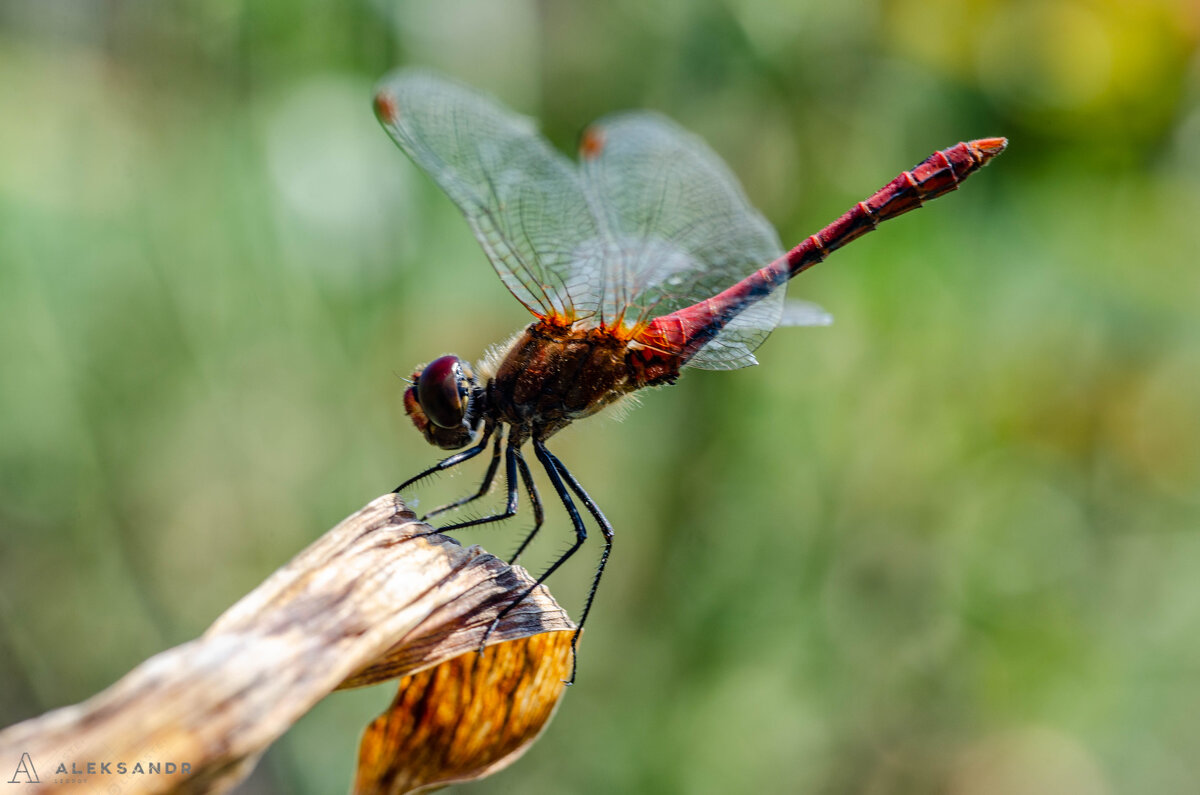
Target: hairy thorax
<point>550,376</point>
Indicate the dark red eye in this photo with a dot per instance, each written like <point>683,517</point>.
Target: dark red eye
<point>441,388</point>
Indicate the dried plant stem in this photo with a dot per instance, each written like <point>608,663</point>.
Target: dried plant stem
<point>374,598</point>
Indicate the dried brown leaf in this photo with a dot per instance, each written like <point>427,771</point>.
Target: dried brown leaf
<point>466,718</point>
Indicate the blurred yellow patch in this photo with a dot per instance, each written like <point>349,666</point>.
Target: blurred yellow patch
<point>1078,67</point>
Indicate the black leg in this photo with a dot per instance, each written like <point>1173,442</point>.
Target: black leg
<point>535,500</point>
<point>454,460</point>
<point>548,462</point>
<point>606,529</point>
<point>511,455</point>
<point>488,478</point>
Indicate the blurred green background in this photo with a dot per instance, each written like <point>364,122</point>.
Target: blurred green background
<point>950,544</point>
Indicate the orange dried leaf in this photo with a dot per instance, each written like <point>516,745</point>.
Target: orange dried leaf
<point>464,719</point>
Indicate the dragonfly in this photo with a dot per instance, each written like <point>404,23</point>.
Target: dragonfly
<point>640,260</point>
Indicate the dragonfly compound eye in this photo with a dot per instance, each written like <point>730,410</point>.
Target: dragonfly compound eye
<point>443,392</point>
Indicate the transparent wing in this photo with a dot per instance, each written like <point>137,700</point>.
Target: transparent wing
<point>677,225</point>
<point>734,346</point>
<point>804,313</point>
<point>651,222</point>
<point>523,200</point>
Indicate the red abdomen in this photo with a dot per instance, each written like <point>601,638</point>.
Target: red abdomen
<point>681,334</point>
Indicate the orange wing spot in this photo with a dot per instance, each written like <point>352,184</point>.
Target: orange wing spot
<point>591,144</point>
<point>385,108</point>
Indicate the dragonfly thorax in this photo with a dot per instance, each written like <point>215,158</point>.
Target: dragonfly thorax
<point>551,375</point>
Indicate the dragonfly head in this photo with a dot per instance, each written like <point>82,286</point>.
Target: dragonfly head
<point>440,402</point>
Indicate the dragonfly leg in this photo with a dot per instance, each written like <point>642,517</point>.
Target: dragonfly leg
<point>488,479</point>
<point>511,455</point>
<point>552,470</point>
<point>446,463</point>
<point>606,529</point>
<point>535,500</point>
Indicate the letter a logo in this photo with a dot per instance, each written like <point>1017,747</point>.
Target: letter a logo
<point>24,768</point>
